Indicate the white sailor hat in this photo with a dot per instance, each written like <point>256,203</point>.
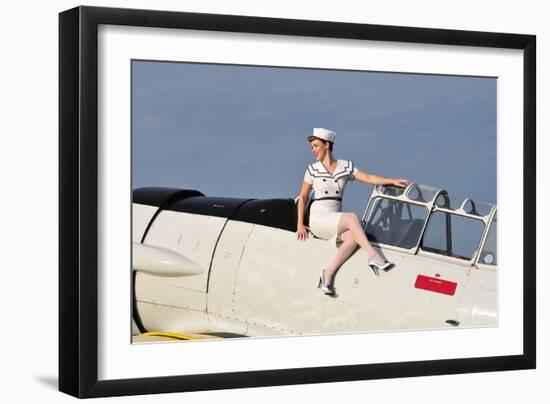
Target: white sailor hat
<point>322,133</point>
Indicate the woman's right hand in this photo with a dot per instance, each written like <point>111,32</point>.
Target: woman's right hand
<point>301,232</point>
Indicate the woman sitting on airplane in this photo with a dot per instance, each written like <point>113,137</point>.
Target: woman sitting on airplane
<point>329,177</point>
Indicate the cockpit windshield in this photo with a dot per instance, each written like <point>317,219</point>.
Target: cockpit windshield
<point>429,218</point>
<point>452,235</point>
<point>395,223</point>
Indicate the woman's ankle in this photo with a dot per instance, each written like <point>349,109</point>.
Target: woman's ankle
<point>328,275</point>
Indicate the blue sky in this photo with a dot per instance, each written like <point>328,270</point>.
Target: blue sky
<point>240,131</point>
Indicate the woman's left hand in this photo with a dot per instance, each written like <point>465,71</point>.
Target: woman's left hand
<point>401,183</point>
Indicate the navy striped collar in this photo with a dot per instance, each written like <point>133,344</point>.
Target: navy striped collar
<point>318,170</point>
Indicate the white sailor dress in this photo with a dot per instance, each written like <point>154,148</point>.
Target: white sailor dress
<point>328,190</point>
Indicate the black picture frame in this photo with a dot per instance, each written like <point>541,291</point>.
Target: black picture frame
<point>78,201</point>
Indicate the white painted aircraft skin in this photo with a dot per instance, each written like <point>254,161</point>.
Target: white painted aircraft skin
<point>200,274</point>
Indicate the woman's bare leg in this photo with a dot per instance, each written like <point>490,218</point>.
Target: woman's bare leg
<point>350,222</point>
<point>344,252</point>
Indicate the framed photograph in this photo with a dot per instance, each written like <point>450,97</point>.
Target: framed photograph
<point>205,240</point>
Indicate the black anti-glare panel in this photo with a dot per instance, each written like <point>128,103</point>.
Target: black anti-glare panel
<point>278,213</point>
<point>207,205</point>
<point>158,196</point>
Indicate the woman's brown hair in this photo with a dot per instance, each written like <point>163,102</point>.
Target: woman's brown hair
<point>330,144</point>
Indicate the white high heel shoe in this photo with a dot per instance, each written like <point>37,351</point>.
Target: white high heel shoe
<point>327,289</point>
<point>376,267</point>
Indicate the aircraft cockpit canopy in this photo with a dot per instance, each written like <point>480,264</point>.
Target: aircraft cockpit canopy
<point>421,217</point>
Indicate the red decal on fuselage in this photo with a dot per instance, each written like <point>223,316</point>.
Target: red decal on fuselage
<point>435,285</point>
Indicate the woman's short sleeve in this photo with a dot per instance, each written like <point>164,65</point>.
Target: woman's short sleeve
<point>308,177</point>
<point>354,171</point>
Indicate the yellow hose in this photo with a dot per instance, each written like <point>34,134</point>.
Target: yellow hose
<point>175,336</point>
